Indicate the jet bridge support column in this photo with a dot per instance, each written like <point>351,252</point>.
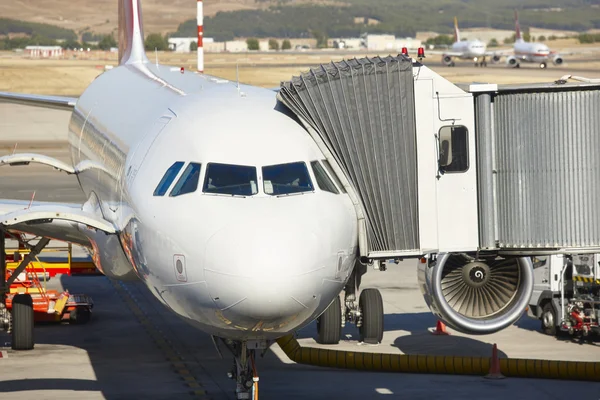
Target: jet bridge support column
<point>485,165</point>
<point>4,287</point>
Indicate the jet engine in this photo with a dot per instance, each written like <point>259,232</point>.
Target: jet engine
<point>495,59</point>
<point>447,60</point>
<point>557,60</point>
<point>476,295</point>
<point>511,60</point>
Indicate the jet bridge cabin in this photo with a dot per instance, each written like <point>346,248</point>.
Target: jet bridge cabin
<point>474,181</point>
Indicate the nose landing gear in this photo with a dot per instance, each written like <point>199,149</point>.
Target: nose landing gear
<point>244,370</point>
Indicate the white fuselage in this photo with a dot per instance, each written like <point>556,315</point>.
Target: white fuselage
<point>241,267</point>
<point>469,49</point>
<point>531,51</point>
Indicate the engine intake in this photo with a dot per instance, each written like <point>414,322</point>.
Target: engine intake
<point>477,296</point>
<point>557,60</point>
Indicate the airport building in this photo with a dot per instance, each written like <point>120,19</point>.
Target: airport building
<point>44,51</point>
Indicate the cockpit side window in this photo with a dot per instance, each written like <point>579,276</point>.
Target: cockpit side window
<point>283,179</point>
<point>168,178</point>
<point>188,182</point>
<point>333,175</point>
<point>323,180</point>
<point>235,180</point>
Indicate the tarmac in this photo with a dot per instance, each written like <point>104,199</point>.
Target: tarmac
<point>135,348</point>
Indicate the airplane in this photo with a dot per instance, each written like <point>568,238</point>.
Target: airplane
<point>211,193</point>
<point>474,50</point>
<point>530,52</point>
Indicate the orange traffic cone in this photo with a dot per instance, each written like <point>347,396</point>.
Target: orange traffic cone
<point>495,365</point>
<point>440,329</point>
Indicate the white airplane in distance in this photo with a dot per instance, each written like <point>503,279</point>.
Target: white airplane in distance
<point>530,52</point>
<point>211,193</point>
<point>474,50</point>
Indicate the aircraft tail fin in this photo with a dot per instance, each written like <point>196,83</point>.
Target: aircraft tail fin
<point>456,31</point>
<point>131,33</point>
<point>517,28</point>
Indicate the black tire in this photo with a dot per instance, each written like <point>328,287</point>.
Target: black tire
<point>548,319</point>
<point>22,322</point>
<point>80,315</point>
<point>329,324</point>
<point>371,307</point>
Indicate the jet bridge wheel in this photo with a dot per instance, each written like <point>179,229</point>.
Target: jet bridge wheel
<point>329,324</point>
<point>371,308</point>
<point>22,322</point>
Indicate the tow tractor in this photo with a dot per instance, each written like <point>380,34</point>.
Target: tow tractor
<point>566,295</point>
<point>27,299</point>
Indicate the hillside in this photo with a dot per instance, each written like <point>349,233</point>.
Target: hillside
<point>296,18</point>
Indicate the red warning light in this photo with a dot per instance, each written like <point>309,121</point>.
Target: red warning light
<point>181,70</point>
<point>421,52</point>
<point>405,51</point>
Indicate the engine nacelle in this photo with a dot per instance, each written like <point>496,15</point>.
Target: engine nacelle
<point>447,60</point>
<point>476,296</point>
<point>511,60</point>
<point>557,60</point>
<point>495,59</point>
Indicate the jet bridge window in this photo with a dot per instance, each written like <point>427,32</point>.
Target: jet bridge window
<point>235,180</point>
<point>188,182</point>
<point>453,149</point>
<point>168,178</point>
<point>285,179</point>
<point>325,183</point>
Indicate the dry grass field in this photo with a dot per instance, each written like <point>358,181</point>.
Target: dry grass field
<point>71,75</point>
<point>101,15</point>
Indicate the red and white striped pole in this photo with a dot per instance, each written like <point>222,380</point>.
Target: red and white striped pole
<point>200,35</point>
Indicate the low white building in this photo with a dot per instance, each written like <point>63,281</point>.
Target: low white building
<point>44,51</point>
<point>182,44</point>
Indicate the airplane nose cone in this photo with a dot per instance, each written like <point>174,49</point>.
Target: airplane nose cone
<point>268,276</point>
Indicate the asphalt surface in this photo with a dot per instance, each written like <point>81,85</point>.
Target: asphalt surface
<point>135,348</point>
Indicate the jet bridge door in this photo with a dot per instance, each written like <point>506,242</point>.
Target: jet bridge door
<point>361,113</point>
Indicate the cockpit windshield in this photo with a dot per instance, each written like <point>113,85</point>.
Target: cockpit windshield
<point>283,179</point>
<point>235,180</point>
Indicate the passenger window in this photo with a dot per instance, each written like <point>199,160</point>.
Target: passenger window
<point>235,180</point>
<point>324,182</point>
<point>168,178</point>
<point>333,175</point>
<point>188,182</point>
<point>454,149</point>
<point>285,179</point>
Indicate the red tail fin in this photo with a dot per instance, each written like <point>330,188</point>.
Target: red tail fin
<point>131,34</point>
<point>456,31</point>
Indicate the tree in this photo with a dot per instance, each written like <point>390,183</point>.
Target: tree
<point>156,41</point>
<point>493,43</point>
<point>71,45</point>
<point>252,43</point>
<point>542,38</point>
<point>273,44</point>
<point>107,42</point>
<point>193,46</point>
<point>286,45</point>
<point>440,40</point>
<point>321,39</point>
<point>552,37</point>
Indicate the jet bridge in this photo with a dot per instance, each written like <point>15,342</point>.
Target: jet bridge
<point>376,120</point>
